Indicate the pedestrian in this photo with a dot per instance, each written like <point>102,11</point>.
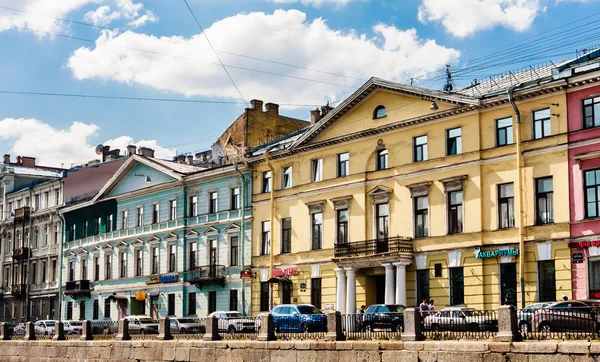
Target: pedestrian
<point>360,315</point>
<point>431,307</point>
<point>564,297</point>
<point>424,307</point>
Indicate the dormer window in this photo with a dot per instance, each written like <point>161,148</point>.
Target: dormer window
<point>379,112</point>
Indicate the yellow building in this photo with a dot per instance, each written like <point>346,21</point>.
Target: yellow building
<point>401,193</point>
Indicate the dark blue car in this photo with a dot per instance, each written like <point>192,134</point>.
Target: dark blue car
<point>298,318</point>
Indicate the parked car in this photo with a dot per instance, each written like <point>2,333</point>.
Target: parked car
<point>460,319</point>
<point>383,316</point>
<point>568,316</point>
<point>73,327</point>
<point>186,325</point>
<point>142,324</point>
<point>524,315</point>
<point>44,328</point>
<point>234,321</point>
<point>16,329</point>
<point>298,318</point>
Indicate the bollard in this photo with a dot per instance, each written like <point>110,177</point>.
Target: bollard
<point>123,333</point>
<point>59,331</point>
<point>86,331</point>
<point>29,331</point>
<point>267,329</point>
<point>4,332</point>
<point>508,329</point>
<point>212,329</point>
<point>334,327</point>
<point>412,325</point>
<point>164,329</point>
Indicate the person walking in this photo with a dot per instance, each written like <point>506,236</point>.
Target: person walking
<point>360,316</point>
<point>431,307</point>
<point>424,307</point>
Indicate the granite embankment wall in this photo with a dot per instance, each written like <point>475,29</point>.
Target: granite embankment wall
<point>303,351</point>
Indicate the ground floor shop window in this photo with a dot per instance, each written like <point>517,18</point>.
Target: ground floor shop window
<point>594,278</point>
<point>171,304</point>
<point>95,310</point>
<point>264,297</point>
<point>286,293</point>
<point>422,285</point>
<point>82,310</point>
<point>508,284</point>
<point>107,308</point>
<point>315,292</point>
<point>191,303</point>
<point>69,310</point>
<point>457,286</point>
<point>212,301</point>
<point>233,299</point>
<point>546,281</point>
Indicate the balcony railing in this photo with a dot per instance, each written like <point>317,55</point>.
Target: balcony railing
<point>79,287</point>
<point>207,274</point>
<point>18,290</point>
<point>22,213</point>
<point>394,244</point>
<point>21,254</point>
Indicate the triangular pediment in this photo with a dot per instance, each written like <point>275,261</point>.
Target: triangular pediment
<point>233,228</point>
<point>122,244</point>
<point>211,231</point>
<point>192,234</point>
<point>83,252</point>
<point>379,190</point>
<point>71,255</point>
<point>154,239</point>
<point>107,247</point>
<point>96,249</point>
<point>171,236</point>
<point>138,242</point>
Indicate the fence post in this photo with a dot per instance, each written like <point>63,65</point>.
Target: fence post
<point>86,331</point>
<point>334,327</point>
<point>4,332</point>
<point>267,330</point>
<point>212,329</point>
<point>412,325</point>
<point>123,332</point>
<point>29,331</point>
<point>59,331</point>
<point>508,329</point>
<point>164,329</point>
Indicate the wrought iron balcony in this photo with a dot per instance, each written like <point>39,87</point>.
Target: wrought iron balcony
<point>21,254</point>
<point>18,290</point>
<point>381,246</point>
<point>22,213</point>
<point>79,287</point>
<point>207,274</point>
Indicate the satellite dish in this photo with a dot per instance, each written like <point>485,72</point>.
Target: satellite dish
<point>218,155</point>
<point>99,149</point>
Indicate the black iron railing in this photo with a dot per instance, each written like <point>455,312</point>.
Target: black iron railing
<point>394,244</point>
<point>21,254</point>
<point>206,274</point>
<point>568,322</point>
<point>79,287</point>
<point>373,326</point>
<point>459,324</point>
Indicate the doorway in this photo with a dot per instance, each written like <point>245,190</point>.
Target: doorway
<point>154,307</point>
<point>508,284</point>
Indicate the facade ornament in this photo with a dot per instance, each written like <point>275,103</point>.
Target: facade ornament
<point>315,207</point>
<point>380,145</point>
<point>419,189</point>
<point>341,203</point>
<point>380,194</point>
<point>454,183</point>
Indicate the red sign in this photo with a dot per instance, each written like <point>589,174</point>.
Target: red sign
<point>583,244</point>
<point>246,274</point>
<point>285,272</point>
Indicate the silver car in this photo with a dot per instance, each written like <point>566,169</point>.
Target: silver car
<point>524,315</point>
<point>460,319</point>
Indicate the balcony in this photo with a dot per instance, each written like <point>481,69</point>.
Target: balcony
<point>207,274</point>
<point>375,251</point>
<point>18,290</point>
<point>22,213</point>
<point>79,287</point>
<point>21,254</point>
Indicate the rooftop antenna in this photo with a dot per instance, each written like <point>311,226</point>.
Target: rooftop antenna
<point>448,87</point>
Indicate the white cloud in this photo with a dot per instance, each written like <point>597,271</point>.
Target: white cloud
<point>315,3</point>
<point>462,18</point>
<point>284,36</point>
<point>147,17</point>
<point>56,147</point>
<point>101,16</point>
<point>125,9</point>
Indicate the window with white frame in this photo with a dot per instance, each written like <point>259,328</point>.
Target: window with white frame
<point>213,201</point>
<point>316,170</point>
<point>286,177</point>
<point>140,217</point>
<point>172,209</point>
<point>541,124</point>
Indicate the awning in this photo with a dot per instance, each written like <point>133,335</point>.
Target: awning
<point>279,280</point>
<point>118,297</point>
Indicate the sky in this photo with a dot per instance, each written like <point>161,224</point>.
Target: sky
<point>297,53</point>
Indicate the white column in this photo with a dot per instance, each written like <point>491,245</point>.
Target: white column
<point>351,291</point>
<point>389,283</point>
<point>401,282</point>
<point>341,290</point>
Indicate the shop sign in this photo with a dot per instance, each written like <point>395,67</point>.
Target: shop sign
<point>140,296</point>
<point>285,272</point>
<point>246,274</point>
<point>156,279</point>
<point>483,254</point>
<point>577,258</point>
<point>303,287</point>
<point>595,294</point>
<point>584,244</point>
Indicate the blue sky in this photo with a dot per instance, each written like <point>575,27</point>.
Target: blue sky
<point>154,49</point>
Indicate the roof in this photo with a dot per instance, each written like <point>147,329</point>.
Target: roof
<point>31,171</point>
<point>279,144</point>
<point>178,167</point>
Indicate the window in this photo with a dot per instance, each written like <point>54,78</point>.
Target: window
<point>316,170</point>
<point>591,112</point>
<point>96,310</point>
<point>47,199</point>
<point>53,271</point>
<point>34,273</point>
<point>379,112</point>
<point>124,219</point>
<point>266,181</point>
<point>382,159</point>
<point>84,229</point>
<point>286,177</point>
<point>382,213</point>
<point>96,268</point>
<point>191,304</point>
<point>138,262</point>
<point>508,284</point>
<point>69,310</point>
<point>266,238</point>
<point>457,286</point>
<point>422,284</point>
<point>140,217</point>
<point>155,260</point>
<point>44,270</point>
<point>172,209</point>
<point>108,266</point>
<point>504,131</point>
<point>541,124</point>
<point>36,238</point>
<point>213,199</point>
<point>544,201</point>
<point>82,310</point>
<point>317,230</point>
<point>193,255</point>
<point>170,304</point>
<point>57,197</point>
<point>234,242</point>
<point>235,198</point>
<point>594,276</point>
<point>107,308</point>
<point>343,164</point>
<point>506,208</point>
<point>109,224</point>
<point>7,277</point>
<point>233,299</point>
<point>286,235</point>
<point>455,212</point>
<point>172,258</point>
<point>46,235</point>
<point>193,206</point>
<point>97,223</point>
<point>420,149</point>
<point>285,293</point>
<point>592,192</point>
<point>212,301</point>
<point>546,281</point>
<point>36,202</point>
<point>342,226</point>
<point>123,265</point>
<point>315,292</point>
<point>155,213</point>
<point>84,269</point>
<point>453,141</point>
<point>421,216</point>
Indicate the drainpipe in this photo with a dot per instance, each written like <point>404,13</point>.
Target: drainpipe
<point>242,231</point>
<point>60,271</point>
<point>272,214</point>
<point>519,188</point>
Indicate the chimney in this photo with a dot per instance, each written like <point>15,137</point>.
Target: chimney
<point>19,161</point>
<point>27,161</point>
<point>131,150</point>
<point>146,152</point>
<point>256,104</point>
<point>326,109</point>
<point>272,108</point>
<point>180,159</point>
<point>189,160</point>
<point>315,116</point>
<point>6,159</point>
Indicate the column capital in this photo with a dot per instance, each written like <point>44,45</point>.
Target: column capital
<point>339,270</point>
<point>349,269</point>
<point>387,265</point>
<point>401,263</point>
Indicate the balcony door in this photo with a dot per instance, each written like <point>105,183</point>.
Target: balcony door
<point>382,215</point>
<point>212,258</point>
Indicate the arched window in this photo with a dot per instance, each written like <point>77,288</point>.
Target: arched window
<point>379,112</point>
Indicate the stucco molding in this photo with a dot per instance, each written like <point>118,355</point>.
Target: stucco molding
<point>315,207</point>
<point>379,194</point>
<point>454,183</point>
<point>341,203</point>
<point>419,189</point>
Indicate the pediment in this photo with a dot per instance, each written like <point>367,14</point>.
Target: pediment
<point>192,234</point>
<point>122,244</point>
<point>138,242</point>
<point>107,247</point>
<point>154,239</point>
<point>71,255</point>
<point>83,252</point>
<point>211,231</point>
<point>96,249</point>
<point>378,190</point>
<point>171,236</point>
<point>233,228</point>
